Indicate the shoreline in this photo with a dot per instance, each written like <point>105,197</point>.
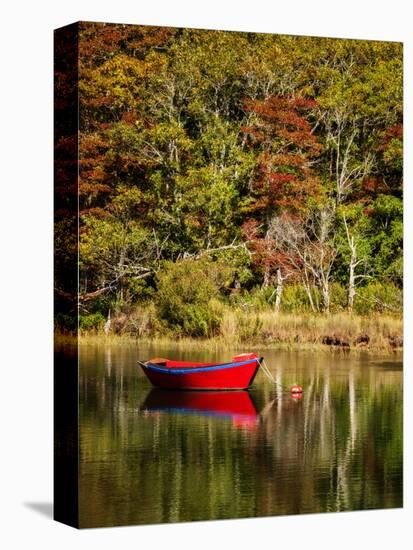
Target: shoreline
<point>219,344</point>
<point>339,332</point>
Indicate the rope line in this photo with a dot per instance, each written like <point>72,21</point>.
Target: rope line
<point>268,374</point>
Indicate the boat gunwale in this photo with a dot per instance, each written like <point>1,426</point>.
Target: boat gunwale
<point>189,370</point>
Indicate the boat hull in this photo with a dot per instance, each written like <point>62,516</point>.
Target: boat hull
<point>229,376</point>
<point>237,406</point>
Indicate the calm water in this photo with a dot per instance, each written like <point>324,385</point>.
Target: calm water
<point>147,456</point>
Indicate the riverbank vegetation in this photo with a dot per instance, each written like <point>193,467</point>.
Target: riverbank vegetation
<point>241,187</point>
<point>239,329</point>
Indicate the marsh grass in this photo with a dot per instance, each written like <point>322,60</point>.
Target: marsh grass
<point>379,332</point>
<point>268,329</point>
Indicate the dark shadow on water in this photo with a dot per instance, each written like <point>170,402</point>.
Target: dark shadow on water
<point>43,508</point>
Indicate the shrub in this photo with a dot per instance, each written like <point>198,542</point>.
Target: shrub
<point>188,293</point>
<point>294,299</point>
<point>93,321</point>
<point>378,297</point>
<point>142,320</point>
<point>338,297</point>
<point>257,298</point>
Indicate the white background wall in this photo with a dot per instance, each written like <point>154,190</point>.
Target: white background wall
<point>26,123</point>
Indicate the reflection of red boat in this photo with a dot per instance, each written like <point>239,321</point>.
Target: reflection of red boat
<point>237,406</point>
<point>183,375</point>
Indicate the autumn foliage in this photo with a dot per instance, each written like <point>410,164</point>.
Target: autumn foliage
<point>199,144</point>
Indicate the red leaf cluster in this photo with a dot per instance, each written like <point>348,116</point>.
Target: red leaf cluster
<point>394,132</point>
<point>284,117</point>
<point>99,41</point>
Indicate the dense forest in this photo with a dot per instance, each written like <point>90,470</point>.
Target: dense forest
<point>226,172</point>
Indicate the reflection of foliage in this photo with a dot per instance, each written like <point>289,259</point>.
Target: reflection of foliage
<point>339,448</point>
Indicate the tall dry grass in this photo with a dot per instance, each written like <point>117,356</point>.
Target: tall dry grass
<point>377,332</point>
<point>268,329</point>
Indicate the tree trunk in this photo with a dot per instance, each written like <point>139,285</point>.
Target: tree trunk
<point>351,268</point>
<point>351,285</point>
<point>278,290</point>
<point>310,298</point>
<point>307,287</point>
<point>352,274</point>
<point>325,293</point>
<point>267,267</point>
<point>267,277</point>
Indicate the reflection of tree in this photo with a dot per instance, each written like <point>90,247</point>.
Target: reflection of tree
<point>338,448</point>
<point>344,462</point>
<point>326,442</point>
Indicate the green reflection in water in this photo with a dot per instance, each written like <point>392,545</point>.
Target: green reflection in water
<point>144,459</point>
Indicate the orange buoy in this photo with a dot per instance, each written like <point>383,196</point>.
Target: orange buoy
<point>296,390</point>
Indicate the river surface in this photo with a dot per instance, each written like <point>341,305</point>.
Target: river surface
<point>148,456</point>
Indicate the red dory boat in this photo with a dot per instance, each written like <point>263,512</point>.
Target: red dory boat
<point>239,374</point>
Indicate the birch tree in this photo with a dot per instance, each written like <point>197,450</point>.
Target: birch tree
<point>310,249</point>
<point>356,260</point>
<point>360,94</point>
